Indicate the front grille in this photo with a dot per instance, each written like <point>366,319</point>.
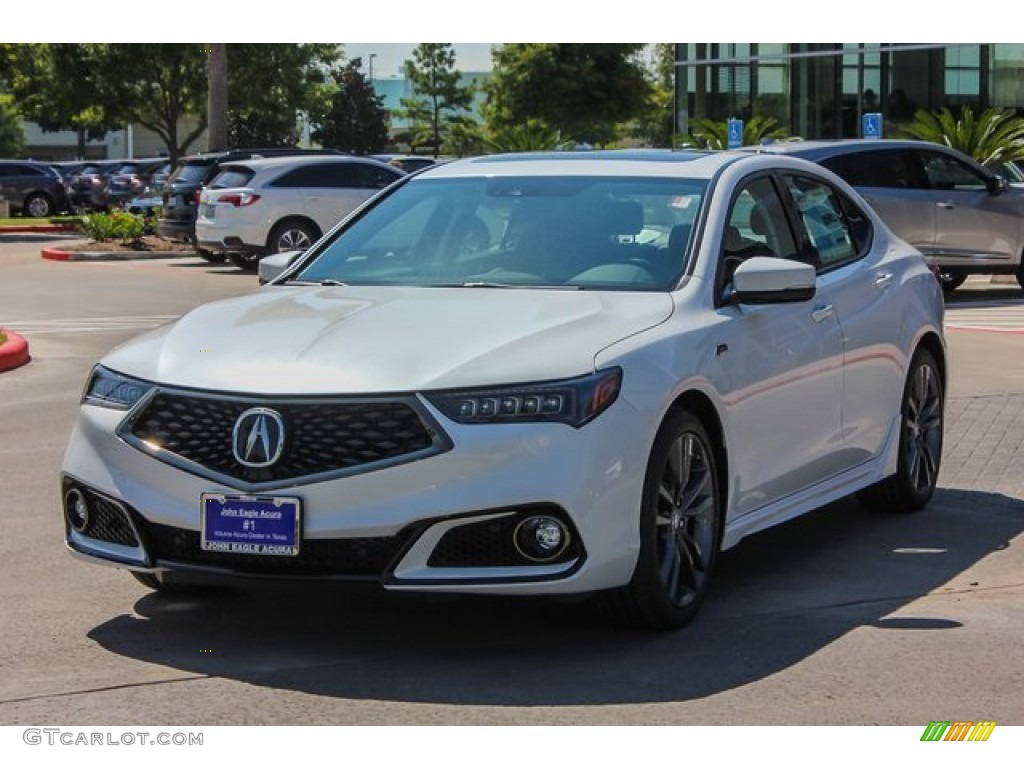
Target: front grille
<point>352,558</point>
<point>322,437</point>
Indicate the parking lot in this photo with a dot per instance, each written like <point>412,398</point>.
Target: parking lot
<point>841,617</point>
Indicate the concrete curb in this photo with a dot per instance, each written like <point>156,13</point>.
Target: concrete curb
<point>59,254</point>
<point>13,352</point>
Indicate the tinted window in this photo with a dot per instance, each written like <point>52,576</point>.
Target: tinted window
<point>321,175</point>
<point>374,177</point>
<point>190,173</point>
<point>757,225</point>
<point>891,168</point>
<point>831,237</point>
<point>232,177</point>
<point>946,172</point>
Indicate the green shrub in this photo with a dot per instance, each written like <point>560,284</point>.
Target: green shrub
<point>118,225</point>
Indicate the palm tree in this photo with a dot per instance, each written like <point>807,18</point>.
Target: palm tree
<point>711,134</point>
<point>530,136</point>
<point>993,138</point>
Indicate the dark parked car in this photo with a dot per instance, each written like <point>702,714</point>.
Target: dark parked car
<point>180,194</point>
<point>83,187</point>
<point>134,178</point>
<point>32,189</point>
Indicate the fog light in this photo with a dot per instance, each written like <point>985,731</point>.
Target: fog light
<point>76,510</point>
<point>541,538</point>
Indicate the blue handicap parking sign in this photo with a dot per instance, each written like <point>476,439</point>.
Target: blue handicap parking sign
<point>872,125</point>
<point>735,133</point>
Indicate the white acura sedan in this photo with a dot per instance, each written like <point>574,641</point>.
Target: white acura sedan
<point>527,374</point>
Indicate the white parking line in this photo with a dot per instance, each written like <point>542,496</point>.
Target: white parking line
<point>87,324</point>
<point>997,317</point>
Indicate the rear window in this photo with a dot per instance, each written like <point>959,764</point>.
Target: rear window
<point>235,176</point>
<point>193,174</point>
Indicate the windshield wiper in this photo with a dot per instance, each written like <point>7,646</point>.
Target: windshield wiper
<point>489,284</point>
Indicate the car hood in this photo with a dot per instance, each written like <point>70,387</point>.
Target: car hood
<point>349,340</point>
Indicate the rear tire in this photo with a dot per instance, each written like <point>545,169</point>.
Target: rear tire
<point>950,282</point>
<point>291,236</point>
<point>920,449</point>
<point>680,529</point>
<point>244,261</point>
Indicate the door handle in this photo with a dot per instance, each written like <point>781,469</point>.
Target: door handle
<point>820,314</point>
<point>883,280</point>
<point>946,205</point>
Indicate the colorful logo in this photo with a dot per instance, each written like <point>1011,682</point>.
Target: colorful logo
<point>958,730</point>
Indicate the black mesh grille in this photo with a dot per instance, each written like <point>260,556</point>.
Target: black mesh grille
<point>321,437</point>
<point>107,522</point>
<point>488,543</point>
<point>317,557</point>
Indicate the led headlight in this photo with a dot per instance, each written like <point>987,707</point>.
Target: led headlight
<point>112,390</point>
<point>570,401</point>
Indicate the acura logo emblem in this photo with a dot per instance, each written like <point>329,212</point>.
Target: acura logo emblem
<point>258,437</point>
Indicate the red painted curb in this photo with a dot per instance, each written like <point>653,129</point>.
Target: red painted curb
<point>38,228</point>
<point>13,352</point>
<point>56,254</point>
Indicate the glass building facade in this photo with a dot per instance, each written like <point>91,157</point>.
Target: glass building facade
<point>820,90</point>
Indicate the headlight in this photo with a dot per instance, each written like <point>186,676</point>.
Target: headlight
<point>112,390</point>
<point>572,401</point>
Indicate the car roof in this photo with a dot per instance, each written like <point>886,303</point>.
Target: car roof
<point>622,162</point>
<point>208,158</point>
<point>822,148</point>
<point>263,163</point>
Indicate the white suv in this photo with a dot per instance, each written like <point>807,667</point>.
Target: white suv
<point>268,205</point>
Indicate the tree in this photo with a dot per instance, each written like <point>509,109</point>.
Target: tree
<point>357,120</point>
<point>994,137</point>
<point>12,135</point>
<point>155,85</point>
<point>584,90</point>
<point>437,98</point>
<point>655,125</point>
<point>57,87</point>
<point>714,134</point>
<point>272,86</point>
<point>532,136</point>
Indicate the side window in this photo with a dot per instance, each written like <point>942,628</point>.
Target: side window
<point>890,169</point>
<point>315,176</point>
<point>371,177</point>
<point>946,172</point>
<point>824,216</point>
<point>757,225</point>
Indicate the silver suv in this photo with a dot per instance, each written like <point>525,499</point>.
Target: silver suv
<point>268,205</point>
<point>961,216</point>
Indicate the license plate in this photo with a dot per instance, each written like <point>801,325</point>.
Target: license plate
<point>252,525</point>
<point>209,211</point>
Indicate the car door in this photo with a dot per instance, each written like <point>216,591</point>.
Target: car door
<point>778,367</point>
<point>973,226</point>
<point>894,183</point>
<point>858,277</point>
<point>334,189</point>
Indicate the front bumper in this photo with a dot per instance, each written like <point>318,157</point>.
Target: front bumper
<point>442,523</point>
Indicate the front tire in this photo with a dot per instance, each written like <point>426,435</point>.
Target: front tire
<point>680,529</point>
<point>38,206</point>
<point>920,449</point>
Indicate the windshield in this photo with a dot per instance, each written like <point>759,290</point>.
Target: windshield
<point>577,232</point>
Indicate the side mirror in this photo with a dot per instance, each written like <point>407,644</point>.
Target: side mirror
<point>767,280</point>
<point>273,266</point>
<point>996,185</point>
